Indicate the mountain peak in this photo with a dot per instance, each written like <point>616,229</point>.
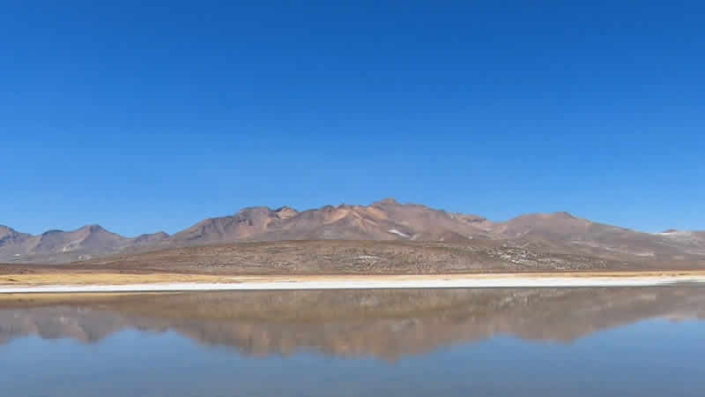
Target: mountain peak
<point>388,200</point>
<point>10,236</point>
<point>147,238</point>
<point>94,228</point>
<point>250,210</point>
<point>285,212</point>
<point>564,215</point>
<point>6,230</point>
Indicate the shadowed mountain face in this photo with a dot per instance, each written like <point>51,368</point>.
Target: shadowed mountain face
<point>56,246</point>
<point>386,220</point>
<point>11,238</point>
<point>386,324</point>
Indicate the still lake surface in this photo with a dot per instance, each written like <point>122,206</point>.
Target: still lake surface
<point>445,342</point>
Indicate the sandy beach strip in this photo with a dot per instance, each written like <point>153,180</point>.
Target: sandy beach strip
<point>178,283</point>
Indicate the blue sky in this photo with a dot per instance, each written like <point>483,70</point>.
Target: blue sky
<point>145,118</point>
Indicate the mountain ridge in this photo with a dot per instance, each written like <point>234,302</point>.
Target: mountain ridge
<point>383,220</point>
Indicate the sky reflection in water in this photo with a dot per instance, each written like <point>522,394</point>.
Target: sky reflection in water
<point>587,342</point>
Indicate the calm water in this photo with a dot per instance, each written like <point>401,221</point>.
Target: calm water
<point>563,342</point>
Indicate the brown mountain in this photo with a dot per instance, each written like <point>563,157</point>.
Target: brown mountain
<point>88,238</point>
<point>563,232</point>
<point>385,220</point>
<point>57,246</point>
<point>248,223</point>
<point>10,237</point>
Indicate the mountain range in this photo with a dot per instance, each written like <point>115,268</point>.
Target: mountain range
<point>385,220</point>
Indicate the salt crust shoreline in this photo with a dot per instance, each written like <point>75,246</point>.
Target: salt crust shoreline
<point>367,283</point>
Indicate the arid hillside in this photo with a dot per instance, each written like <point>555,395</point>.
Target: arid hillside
<point>363,257</point>
<point>531,240</point>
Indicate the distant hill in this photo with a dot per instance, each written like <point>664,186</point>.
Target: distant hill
<point>56,246</point>
<point>385,220</point>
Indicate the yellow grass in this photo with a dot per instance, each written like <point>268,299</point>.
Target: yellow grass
<point>121,278</point>
<point>101,278</point>
<point>95,297</point>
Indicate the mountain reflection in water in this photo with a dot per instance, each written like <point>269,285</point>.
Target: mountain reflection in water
<point>387,324</point>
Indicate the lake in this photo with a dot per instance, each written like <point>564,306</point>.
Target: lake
<point>440,342</point>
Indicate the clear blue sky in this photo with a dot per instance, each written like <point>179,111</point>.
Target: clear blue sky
<point>144,118</point>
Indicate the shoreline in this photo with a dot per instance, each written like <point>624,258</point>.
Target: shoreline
<point>184,283</point>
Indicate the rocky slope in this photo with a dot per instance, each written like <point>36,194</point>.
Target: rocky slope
<point>56,246</point>
<point>386,220</point>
